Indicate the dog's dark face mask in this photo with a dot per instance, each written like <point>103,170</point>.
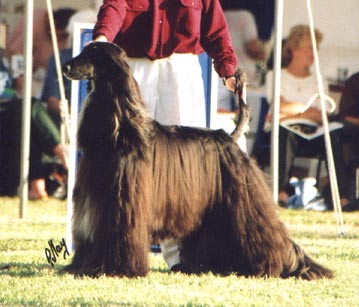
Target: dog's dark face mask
<point>78,68</point>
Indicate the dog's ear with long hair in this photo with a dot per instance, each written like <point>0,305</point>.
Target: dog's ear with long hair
<point>132,116</point>
<point>101,116</point>
<point>109,60</point>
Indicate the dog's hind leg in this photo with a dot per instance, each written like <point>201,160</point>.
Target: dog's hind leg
<point>243,233</point>
<point>213,246</point>
<point>265,247</point>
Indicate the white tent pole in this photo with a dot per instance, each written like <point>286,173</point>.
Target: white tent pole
<point>26,109</point>
<point>330,159</point>
<point>278,30</point>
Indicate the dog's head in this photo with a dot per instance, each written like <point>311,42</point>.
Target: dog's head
<point>114,111</point>
<point>96,59</point>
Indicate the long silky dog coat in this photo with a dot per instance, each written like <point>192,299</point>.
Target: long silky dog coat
<point>138,180</point>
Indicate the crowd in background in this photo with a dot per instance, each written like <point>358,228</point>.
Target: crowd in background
<point>250,27</point>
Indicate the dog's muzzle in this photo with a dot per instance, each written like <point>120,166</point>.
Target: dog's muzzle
<point>66,69</point>
<point>78,73</point>
<point>68,72</point>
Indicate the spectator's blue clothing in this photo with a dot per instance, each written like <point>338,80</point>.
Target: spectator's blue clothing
<point>51,84</point>
<point>7,92</point>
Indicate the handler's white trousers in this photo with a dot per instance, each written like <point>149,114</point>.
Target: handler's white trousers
<point>172,89</point>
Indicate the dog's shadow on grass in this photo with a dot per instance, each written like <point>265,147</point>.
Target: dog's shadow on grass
<point>22,270</point>
<point>160,270</point>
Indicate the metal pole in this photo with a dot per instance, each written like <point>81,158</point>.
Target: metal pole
<point>26,109</point>
<point>276,97</point>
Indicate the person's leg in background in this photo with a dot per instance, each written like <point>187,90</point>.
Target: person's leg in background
<point>287,150</point>
<point>10,147</point>
<point>344,173</point>
<point>45,138</point>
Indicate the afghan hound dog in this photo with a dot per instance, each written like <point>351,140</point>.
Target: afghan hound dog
<point>138,180</point>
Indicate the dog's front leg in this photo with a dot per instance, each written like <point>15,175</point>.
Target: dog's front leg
<point>133,241</point>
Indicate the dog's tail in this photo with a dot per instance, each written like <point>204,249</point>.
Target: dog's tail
<point>243,112</point>
<point>302,266</point>
<point>265,247</point>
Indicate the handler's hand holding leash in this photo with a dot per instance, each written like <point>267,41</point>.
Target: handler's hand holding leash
<point>237,83</point>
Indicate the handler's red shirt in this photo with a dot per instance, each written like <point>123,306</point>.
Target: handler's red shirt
<point>159,28</point>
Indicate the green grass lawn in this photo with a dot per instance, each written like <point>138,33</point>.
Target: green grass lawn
<point>27,279</point>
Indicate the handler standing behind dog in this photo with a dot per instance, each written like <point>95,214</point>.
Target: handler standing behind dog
<point>162,40</point>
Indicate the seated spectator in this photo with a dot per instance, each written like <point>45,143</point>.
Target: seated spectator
<point>9,135</point>
<point>44,137</point>
<point>51,92</point>
<point>349,114</point>
<point>349,108</point>
<point>298,85</point>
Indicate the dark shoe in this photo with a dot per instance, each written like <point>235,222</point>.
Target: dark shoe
<point>57,184</point>
<point>282,203</point>
<point>60,192</point>
<point>350,207</point>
